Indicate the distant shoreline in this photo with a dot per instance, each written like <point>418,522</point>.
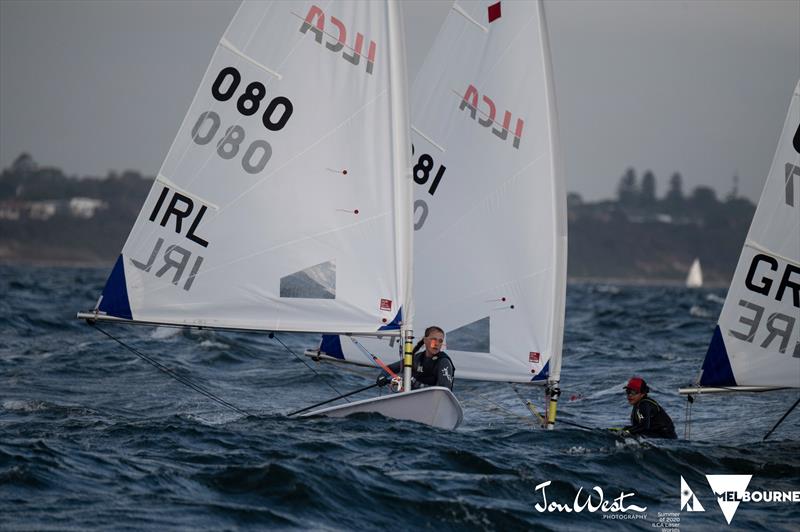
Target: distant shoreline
<point>620,281</point>
<point>640,281</point>
<point>55,263</point>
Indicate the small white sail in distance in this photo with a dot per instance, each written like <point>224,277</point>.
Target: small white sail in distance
<point>284,203</point>
<point>756,343</point>
<point>694,279</point>
<point>490,210</point>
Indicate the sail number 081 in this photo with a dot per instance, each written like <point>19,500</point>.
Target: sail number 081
<point>422,172</point>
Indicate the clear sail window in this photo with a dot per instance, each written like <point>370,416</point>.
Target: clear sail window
<point>314,282</point>
<point>470,337</point>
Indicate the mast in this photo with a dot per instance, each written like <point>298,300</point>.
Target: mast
<point>403,191</point>
<point>560,223</point>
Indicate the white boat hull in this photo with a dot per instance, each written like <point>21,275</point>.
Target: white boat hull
<point>435,406</point>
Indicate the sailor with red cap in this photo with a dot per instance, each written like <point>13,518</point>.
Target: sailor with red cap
<point>648,418</point>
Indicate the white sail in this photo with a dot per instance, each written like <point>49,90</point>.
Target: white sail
<point>490,210</point>
<point>694,279</point>
<point>284,202</point>
<point>757,338</point>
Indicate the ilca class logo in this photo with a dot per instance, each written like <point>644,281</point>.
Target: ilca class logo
<point>689,502</point>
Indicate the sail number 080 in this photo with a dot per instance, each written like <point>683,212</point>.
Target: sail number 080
<point>228,146</point>
<point>258,153</point>
<point>250,100</point>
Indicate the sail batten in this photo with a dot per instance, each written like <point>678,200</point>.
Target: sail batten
<point>763,249</point>
<point>226,44</point>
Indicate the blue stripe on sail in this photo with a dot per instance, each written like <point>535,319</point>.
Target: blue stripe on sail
<point>542,375</point>
<point>717,366</point>
<point>395,323</point>
<point>115,294</point>
<point>331,345</point>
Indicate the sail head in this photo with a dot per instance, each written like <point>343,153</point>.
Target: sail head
<point>489,203</point>
<point>276,207</point>
<point>757,339</point>
<point>490,214</point>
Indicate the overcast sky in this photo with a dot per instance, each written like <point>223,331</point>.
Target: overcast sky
<point>698,87</point>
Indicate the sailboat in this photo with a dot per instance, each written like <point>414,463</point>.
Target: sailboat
<point>490,225</point>
<point>694,279</point>
<point>756,343</point>
<point>286,202</point>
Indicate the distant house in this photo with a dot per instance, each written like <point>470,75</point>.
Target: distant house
<point>86,207</point>
<point>11,210</point>
<point>42,210</point>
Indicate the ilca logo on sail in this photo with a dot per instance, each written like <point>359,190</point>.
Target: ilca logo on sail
<point>689,502</point>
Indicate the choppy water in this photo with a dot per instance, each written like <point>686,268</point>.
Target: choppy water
<point>91,437</point>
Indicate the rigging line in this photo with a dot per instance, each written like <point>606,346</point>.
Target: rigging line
<point>375,359</point>
<point>687,424</point>
<point>530,406</point>
<point>183,380</point>
<point>565,422</point>
<point>506,411</point>
<point>275,336</point>
<point>781,419</point>
<point>578,425</point>
<point>493,406</point>
<point>358,370</point>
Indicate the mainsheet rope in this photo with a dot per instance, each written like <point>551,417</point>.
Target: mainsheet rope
<point>298,357</point>
<point>180,378</point>
<point>197,387</point>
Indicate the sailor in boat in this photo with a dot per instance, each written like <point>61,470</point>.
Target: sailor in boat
<point>431,367</point>
<point>648,418</point>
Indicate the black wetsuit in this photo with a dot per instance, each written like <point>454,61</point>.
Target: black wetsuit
<point>437,370</point>
<point>650,420</point>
